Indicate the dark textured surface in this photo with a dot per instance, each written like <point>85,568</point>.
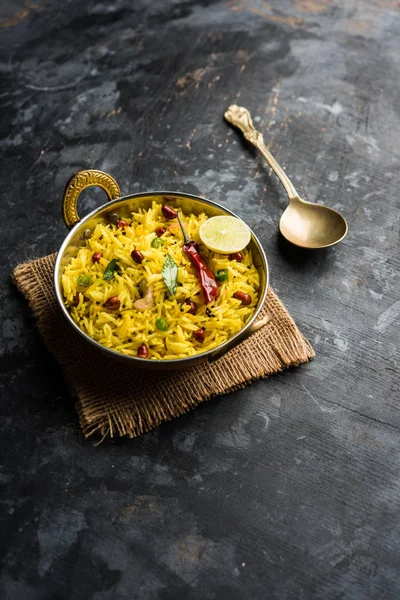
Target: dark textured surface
<point>290,488</point>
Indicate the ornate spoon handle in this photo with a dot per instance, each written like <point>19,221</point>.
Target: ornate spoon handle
<point>241,118</point>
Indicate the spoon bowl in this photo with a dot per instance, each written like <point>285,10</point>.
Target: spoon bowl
<point>303,223</point>
<point>311,225</point>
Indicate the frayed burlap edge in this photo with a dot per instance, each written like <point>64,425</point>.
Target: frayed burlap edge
<point>116,400</point>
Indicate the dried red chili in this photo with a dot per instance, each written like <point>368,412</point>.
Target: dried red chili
<point>206,276</point>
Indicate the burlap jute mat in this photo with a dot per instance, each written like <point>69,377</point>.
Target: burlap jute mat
<point>116,400</point>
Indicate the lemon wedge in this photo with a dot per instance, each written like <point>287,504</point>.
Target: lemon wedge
<point>224,234</point>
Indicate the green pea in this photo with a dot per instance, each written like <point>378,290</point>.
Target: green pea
<point>84,280</point>
<point>221,275</point>
<point>162,324</point>
<point>157,243</point>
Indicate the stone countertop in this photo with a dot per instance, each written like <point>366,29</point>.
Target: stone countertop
<point>289,488</point>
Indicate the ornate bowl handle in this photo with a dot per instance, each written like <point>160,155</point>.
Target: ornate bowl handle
<point>77,184</point>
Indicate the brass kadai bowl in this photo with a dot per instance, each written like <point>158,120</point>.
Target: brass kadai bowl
<point>81,231</point>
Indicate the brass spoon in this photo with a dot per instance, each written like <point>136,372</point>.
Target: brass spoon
<point>303,223</point>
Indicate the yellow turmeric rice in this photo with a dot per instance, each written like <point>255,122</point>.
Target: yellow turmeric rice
<point>104,309</point>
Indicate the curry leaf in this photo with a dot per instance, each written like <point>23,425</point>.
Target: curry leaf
<point>170,274</point>
<point>110,269</point>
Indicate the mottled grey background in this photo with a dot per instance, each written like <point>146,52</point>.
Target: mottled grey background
<point>290,488</point>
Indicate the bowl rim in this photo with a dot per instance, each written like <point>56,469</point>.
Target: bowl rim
<point>170,361</point>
